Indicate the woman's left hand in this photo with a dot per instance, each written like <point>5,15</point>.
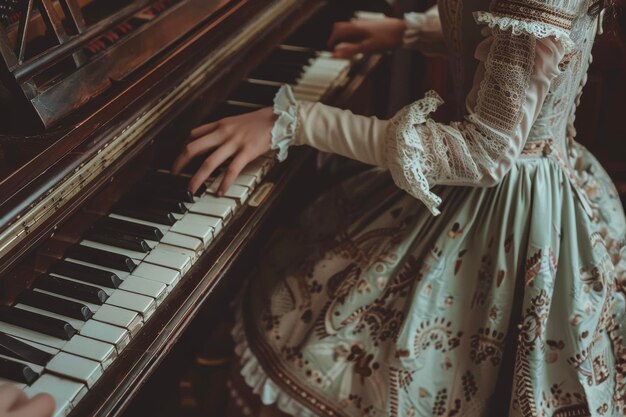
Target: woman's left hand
<point>244,137</point>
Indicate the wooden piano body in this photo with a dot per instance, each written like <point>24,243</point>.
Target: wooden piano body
<point>89,119</point>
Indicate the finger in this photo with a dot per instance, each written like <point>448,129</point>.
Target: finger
<point>347,50</point>
<point>197,147</point>
<point>41,405</point>
<point>210,164</point>
<point>233,171</point>
<point>345,32</point>
<point>203,130</point>
<point>10,395</point>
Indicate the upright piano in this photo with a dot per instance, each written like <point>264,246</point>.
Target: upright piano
<point>105,257</point>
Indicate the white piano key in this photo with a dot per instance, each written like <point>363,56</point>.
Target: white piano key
<point>31,335</point>
<point>210,205</point>
<point>246,180</point>
<point>170,257</point>
<point>255,170</point>
<point>157,273</point>
<point>130,253</point>
<point>183,241</point>
<point>120,317</point>
<point>107,333</point>
<point>143,286</point>
<point>238,192</point>
<point>101,352</point>
<point>134,302</point>
<point>308,96</point>
<point>179,251</point>
<point>195,225</point>
<point>76,367</point>
<point>66,393</point>
<point>129,283</point>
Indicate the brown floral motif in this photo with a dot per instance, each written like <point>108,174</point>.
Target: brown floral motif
<point>408,276</point>
<point>529,339</point>
<point>440,407</point>
<point>483,283</point>
<point>487,345</point>
<point>435,334</point>
<point>470,388</point>
<point>363,365</point>
<point>456,231</point>
<point>342,282</point>
<point>564,402</point>
<point>384,323</point>
<point>459,261</point>
<point>536,263</point>
<point>600,369</point>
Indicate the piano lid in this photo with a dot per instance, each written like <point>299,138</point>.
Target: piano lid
<point>57,55</point>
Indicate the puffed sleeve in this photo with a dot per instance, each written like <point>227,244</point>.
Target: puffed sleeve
<point>517,62</point>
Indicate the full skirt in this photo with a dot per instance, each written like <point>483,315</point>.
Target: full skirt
<point>510,301</point>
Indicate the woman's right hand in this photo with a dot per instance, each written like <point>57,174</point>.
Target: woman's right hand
<point>366,36</point>
<point>13,403</point>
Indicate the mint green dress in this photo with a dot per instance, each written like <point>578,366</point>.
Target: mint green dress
<point>509,302</point>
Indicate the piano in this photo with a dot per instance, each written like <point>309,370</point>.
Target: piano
<point>105,258</point>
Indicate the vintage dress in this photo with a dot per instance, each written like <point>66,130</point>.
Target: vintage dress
<point>484,275</point>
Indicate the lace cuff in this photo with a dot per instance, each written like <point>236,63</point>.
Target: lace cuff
<point>286,125</point>
<point>406,157</point>
<point>414,23</point>
<point>539,28</point>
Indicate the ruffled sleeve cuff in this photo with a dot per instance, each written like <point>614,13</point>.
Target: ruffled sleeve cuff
<point>423,32</point>
<point>530,24</point>
<point>286,125</point>
<point>406,157</point>
<point>414,23</point>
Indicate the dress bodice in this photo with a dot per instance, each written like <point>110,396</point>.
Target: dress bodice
<point>556,117</point>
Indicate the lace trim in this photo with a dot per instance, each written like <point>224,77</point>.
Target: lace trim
<point>414,23</point>
<point>517,26</point>
<point>256,378</point>
<point>286,125</point>
<point>406,156</point>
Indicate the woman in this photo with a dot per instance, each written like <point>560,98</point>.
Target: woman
<point>13,403</point>
<point>477,269</point>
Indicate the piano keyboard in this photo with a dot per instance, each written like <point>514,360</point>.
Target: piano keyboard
<point>61,335</point>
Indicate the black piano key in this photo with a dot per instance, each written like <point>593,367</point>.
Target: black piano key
<point>255,93</point>
<point>16,371</point>
<point>134,229</point>
<point>101,257</point>
<point>71,289</point>
<point>171,181</point>
<point>300,57</point>
<point>277,73</point>
<point>118,239</point>
<point>15,348</point>
<point>86,274</point>
<point>37,322</point>
<point>170,205</point>
<point>54,304</point>
<point>149,215</point>
<point>151,190</point>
